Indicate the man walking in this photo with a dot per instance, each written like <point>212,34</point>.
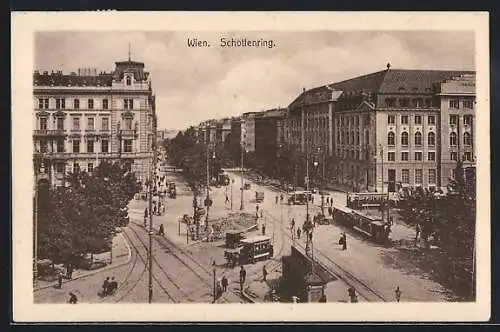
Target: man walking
<point>264,274</point>
<point>293,229</point>
<point>418,230</point>
<point>398,294</point>
<point>298,233</point>
<point>227,199</point>
<point>243,276</point>
<point>224,283</point>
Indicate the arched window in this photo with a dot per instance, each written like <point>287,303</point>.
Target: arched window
<point>453,139</point>
<point>418,138</point>
<point>431,139</point>
<point>391,138</point>
<point>404,138</point>
<point>467,139</point>
<point>129,80</point>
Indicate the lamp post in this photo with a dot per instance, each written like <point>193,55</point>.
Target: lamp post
<point>214,270</point>
<point>38,171</point>
<point>232,181</point>
<point>151,183</point>
<point>242,204</point>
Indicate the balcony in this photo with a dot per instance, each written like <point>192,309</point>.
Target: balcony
<point>49,132</point>
<point>128,133</point>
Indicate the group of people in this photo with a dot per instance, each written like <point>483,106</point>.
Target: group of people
<point>109,287</point>
<point>68,275</point>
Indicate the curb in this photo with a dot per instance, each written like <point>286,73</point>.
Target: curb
<point>106,268</point>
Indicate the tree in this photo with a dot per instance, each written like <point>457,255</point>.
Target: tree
<point>82,218</point>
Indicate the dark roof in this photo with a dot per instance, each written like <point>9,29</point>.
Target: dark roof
<point>416,81</point>
<point>388,81</point>
<point>58,79</point>
<point>132,66</point>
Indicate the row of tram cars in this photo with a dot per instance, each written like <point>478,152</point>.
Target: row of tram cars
<point>353,216</point>
<point>350,216</point>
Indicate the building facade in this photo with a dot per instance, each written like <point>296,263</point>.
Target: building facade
<point>388,130</point>
<point>81,119</point>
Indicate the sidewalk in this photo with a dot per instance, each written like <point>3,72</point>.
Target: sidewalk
<point>121,256</point>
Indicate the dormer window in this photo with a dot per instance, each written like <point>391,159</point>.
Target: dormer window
<point>129,80</point>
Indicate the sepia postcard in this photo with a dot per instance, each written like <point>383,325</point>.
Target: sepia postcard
<point>323,167</point>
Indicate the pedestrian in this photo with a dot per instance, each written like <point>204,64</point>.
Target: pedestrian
<point>352,294</point>
<point>391,220</point>
<point>344,242</point>
<point>72,298</point>
<point>224,283</point>
<point>417,232</point>
<point>243,276</point>
<point>105,285</point>
<point>60,277</point>
<point>161,232</point>
<point>276,199</point>
<point>281,197</point>
<point>298,233</point>
<point>312,199</point>
<point>113,286</point>
<point>263,229</point>
<point>69,271</point>
<point>398,294</point>
<point>154,209</point>
<point>227,199</point>
<point>264,274</point>
<point>293,223</point>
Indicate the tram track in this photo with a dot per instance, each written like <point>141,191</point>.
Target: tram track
<point>365,290</point>
<point>198,270</point>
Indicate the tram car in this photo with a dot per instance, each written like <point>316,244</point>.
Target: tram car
<point>233,238</point>
<point>377,229</point>
<point>250,250</point>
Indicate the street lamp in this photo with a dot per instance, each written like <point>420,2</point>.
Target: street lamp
<point>39,173</point>
<point>214,270</point>
<point>242,204</point>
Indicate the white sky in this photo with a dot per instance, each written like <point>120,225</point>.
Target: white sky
<point>196,84</point>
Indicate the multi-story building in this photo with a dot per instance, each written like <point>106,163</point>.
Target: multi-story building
<point>81,119</point>
<point>457,118</point>
<point>386,129</point>
<point>267,137</point>
<point>248,130</point>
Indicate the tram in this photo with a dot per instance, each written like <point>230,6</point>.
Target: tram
<point>377,229</point>
<point>365,200</point>
<point>250,250</point>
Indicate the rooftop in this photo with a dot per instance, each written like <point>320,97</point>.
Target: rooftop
<point>90,77</point>
<point>385,81</point>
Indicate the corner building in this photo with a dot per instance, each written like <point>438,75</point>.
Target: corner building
<point>83,118</point>
<point>390,129</point>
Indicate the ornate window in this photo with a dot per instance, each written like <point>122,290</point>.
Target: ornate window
<point>418,138</point>
<point>404,138</point>
<point>391,138</point>
<point>431,139</point>
<point>453,139</point>
<point>467,138</point>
